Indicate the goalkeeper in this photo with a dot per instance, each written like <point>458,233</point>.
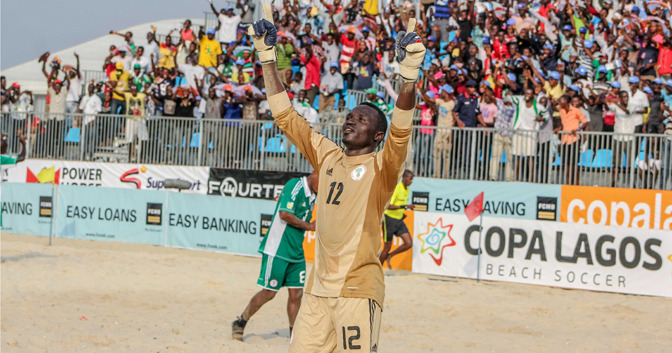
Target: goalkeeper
<point>342,307</point>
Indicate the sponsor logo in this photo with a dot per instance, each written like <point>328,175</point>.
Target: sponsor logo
<point>435,239</point>
<point>358,173</point>
<point>45,206</point>
<point>230,187</point>
<point>154,211</point>
<point>127,177</point>
<point>274,283</point>
<point>46,175</point>
<point>547,208</point>
<point>634,208</point>
<point>421,200</point>
<point>265,222</point>
<point>330,171</point>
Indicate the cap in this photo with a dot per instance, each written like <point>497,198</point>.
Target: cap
<point>430,94</point>
<point>633,79</point>
<point>486,83</point>
<point>454,67</point>
<point>366,29</point>
<point>583,30</point>
<point>635,9</point>
<point>123,49</point>
<point>615,84</point>
<point>229,8</point>
<point>486,40</point>
<point>567,27</point>
<point>210,31</point>
<point>240,62</point>
<point>16,85</point>
<point>554,75</point>
<point>658,81</point>
<point>511,77</point>
<point>431,39</point>
<point>510,22</point>
<point>602,69</point>
<point>669,83</point>
<point>263,90</point>
<point>587,43</point>
<point>449,88</point>
<point>436,62</point>
<point>524,57</point>
<point>333,64</point>
<point>549,46</point>
<point>381,95</point>
<point>647,90</point>
<point>471,83</point>
<point>58,82</point>
<point>137,66</point>
<point>371,91</point>
<point>608,1</point>
<point>582,70</point>
<point>119,65</point>
<point>521,6</point>
<point>575,88</point>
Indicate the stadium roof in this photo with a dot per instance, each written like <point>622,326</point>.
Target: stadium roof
<point>91,54</point>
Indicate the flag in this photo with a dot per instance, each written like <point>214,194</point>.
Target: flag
<point>475,207</point>
<point>47,175</point>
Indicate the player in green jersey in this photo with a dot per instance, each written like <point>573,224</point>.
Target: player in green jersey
<point>283,263</point>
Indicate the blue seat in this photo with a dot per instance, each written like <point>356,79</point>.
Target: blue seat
<point>602,159</point>
<point>195,140</point>
<point>72,135</point>
<point>274,145</point>
<point>586,159</point>
<point>558,161</point>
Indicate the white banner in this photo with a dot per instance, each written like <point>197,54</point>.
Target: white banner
<point>611,259</point>
<point>113,175</point>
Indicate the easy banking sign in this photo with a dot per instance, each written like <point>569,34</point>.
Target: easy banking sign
<point>507,200</point>
<point>555,254</point>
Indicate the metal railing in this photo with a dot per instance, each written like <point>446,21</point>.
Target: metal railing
<point>584,158</point>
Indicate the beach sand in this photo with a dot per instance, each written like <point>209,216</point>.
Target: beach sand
<point>92,296</point>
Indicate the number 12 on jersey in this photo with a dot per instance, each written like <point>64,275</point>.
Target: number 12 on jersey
<point>339,189</point>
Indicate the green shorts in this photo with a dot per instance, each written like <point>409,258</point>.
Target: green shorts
<point>277,273</point>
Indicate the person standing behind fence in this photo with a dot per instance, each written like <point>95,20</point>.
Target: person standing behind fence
<point>466,114</point>
<point>524,141</point>
<point>332,83</point>
<point>90,105</point>
<point>212,127</point>
<point>501,141</point>
<point>74,92</point>
<point>573,121</point>
<point>135,122</point>
<point>283,263</point>
<point>625,125</point>
<point>443,143</point>
<point>56,124</point>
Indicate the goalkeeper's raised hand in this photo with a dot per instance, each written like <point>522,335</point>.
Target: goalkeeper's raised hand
<point>265,37</point>
<point>410,52</point>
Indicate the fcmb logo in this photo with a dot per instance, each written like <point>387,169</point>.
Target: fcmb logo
<point>435,239</point>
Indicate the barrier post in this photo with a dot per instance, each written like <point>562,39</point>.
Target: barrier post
<point>54,214</point>
<point>478,265</point>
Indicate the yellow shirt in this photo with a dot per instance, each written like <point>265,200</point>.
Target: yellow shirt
<point>554,92</point>
<point>167,56</point>
<point>399,198</point>
<point>135,105</point>
<point>208,52</point>
<point>352,196</point>
<point>246,77</point>
<point>122,84</point>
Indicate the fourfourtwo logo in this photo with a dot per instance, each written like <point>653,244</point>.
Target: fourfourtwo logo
<point>126,177</point>
<point>435,239</point>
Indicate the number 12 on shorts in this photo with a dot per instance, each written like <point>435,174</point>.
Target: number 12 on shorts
<point>348,342</point>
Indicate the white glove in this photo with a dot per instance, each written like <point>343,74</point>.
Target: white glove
<point>410,52</point>
<point>265,36</point>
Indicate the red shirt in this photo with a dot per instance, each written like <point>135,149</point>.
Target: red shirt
<point>312,72</point>
<point>501,49</point>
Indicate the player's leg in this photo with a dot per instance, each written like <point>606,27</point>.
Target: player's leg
<point>270,279</point>
<point>357,323</point>
<point>402,230</point>
<point>314,329</point>
<point>295,279</point>
<point>387,239</point>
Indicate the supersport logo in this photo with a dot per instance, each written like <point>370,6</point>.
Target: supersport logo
<point>433,240</point>
<point>125,178</point>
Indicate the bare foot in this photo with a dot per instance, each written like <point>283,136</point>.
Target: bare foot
<point>389,265</point>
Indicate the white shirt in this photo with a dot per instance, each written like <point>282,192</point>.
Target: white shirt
<point>143,61</point>
<point>228,27</point>
<point>641,101</point>
<point>151,48</point>
<point>75,90</point>
<point>90,105</point>
<point>624,123</point>
<point>190,71</point>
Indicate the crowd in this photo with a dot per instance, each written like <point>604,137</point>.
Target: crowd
<point>535,72</point>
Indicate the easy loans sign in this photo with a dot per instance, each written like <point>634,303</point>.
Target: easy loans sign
<point>590,257</point>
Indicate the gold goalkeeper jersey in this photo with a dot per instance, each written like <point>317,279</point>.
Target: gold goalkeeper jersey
<point>352,195</point>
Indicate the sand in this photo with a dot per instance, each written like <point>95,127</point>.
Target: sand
<point>86,296</point>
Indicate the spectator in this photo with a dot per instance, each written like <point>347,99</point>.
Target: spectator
<point>228,23</point>
<point>141,60</point>
<point>285,51</point>
<point>443,139</point>
<point>525,126</point>
<point>209,50</point>
<point>573,121</point>
<point>506,112</point>
<point>90,106</point>
<point>332,83</point>
<point>466,114</point>
<point>313,68</point>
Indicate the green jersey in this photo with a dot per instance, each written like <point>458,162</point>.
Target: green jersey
<point>283,240</point>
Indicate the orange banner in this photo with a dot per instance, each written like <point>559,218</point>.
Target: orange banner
<point>403,261</point>
<point>634,208</point>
